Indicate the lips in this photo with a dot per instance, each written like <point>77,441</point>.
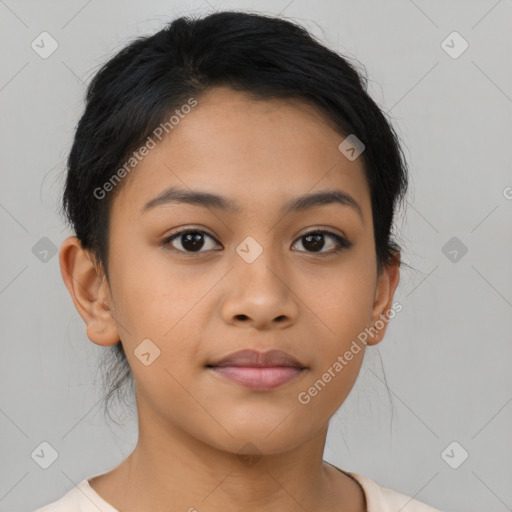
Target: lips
<point>255,359</point>
<point>259,371</point>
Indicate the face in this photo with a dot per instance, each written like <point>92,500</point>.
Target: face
<point>252,276</point>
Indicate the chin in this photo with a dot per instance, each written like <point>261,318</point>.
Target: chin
<point>257,437</point>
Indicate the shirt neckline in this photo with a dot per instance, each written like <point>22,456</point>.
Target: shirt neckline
<point>370,490</point>
<point>372,495</point>
<point>93,496</point>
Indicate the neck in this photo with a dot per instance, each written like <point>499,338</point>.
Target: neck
<point>169,466</point>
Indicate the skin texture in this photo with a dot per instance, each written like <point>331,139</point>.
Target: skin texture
<point>200,306</point>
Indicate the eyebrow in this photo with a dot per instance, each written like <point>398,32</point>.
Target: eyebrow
<point>210,200</point>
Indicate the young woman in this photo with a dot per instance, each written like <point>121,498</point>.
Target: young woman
<point>232,188</point>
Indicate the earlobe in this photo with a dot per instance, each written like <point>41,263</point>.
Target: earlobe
<point>386,286</point>
<point>89,291</point>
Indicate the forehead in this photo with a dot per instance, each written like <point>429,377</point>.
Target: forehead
<point>259,152</point>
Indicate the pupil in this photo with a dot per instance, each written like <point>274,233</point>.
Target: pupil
<point>317,242</point>
<point>193,241</point>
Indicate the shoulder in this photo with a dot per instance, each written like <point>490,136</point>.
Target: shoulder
<point>81,498</point>
<point>383,499</point>
<point>67,503</point>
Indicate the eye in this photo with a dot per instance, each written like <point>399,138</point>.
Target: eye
<point>191,240</point>
<point>314,241</point>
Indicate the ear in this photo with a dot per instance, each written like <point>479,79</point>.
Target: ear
<point>387,282</point>
<point>89,290</point>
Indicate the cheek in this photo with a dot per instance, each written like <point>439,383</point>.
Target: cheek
<point>341,300</point>
<point>344,307</point>
<point>152,288</point>
<point>158,300</point>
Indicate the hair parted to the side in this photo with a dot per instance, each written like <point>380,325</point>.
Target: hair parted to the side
<point>267,57</point>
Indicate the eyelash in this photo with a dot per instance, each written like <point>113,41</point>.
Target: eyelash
<point>342,243</point>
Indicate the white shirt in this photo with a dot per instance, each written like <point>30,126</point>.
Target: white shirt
<point>83,498</point>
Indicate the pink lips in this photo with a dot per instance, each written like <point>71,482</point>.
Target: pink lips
<point>259,371</point>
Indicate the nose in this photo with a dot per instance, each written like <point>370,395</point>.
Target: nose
<point>259,295</point>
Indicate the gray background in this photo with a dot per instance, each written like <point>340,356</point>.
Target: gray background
<point>446,356</point>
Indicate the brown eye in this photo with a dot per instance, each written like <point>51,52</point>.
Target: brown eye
<point>315,241</point>
<point>191,240</point>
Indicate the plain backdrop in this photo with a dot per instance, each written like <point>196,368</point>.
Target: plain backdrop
<point>446,355</point>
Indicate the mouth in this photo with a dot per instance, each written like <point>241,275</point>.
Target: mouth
<point>259,371</point>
